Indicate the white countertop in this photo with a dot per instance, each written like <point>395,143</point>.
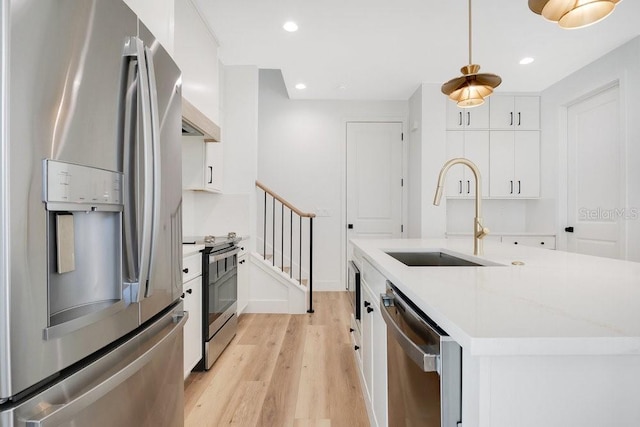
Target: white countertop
<point>558,303</point>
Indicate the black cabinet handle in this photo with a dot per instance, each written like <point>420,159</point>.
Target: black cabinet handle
<point>210,175</point>
<point>511,186</point>
<point>569,229</point>
<point>460,186</point>
<point>189,291</point>
<point>542,243</point>
<point>519,119</point>
<point>367,303</point>
<point>369,309</point>
<point>515,243</point>
<point>185,270</point>
<point>468,118</point>
<point>356,348</point>
<point>350,226</point>
<point>460,118</point>
<point>519,187</point>
<point>511,122</point>
<point>468,187</point>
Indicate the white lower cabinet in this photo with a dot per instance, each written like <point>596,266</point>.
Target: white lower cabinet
<point>374,356</point>
<point>192,297</point>
<point>243,280</point>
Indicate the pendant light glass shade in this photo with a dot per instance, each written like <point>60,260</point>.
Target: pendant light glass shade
<point>572,14</point>
<point>470,89</point>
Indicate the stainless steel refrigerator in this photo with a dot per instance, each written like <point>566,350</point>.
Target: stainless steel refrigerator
<point>90,218</point>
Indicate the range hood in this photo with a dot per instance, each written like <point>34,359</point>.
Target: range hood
<point>194,123</point>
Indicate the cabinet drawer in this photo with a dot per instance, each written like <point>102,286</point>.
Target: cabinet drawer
<point>191,267</point>
<point>547,242</point>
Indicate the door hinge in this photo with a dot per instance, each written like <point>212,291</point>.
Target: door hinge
<point>402,228</point>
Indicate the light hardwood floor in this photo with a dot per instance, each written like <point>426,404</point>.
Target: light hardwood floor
<point>283,370</point>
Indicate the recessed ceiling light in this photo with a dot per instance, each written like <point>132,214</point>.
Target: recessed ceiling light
<point>290,26</point>
<point>301,86</point>
<point>526,61</point>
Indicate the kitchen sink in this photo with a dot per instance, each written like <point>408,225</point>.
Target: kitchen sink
<point>435,259</point>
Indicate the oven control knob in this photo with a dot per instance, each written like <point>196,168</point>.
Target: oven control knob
<point>189,291</point>
<point>369,309</point>
<point>356,348</point>
<point>185,270</point>
<point>367,303</point>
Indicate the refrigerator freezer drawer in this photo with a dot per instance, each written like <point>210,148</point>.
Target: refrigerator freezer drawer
<point>139,383</point>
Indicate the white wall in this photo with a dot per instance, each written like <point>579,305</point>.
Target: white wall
<point>414,166</point>
<point>301,156</point>
<point>622,65</point>
<point>434,218</point>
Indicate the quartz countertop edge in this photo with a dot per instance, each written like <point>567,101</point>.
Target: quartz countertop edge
<point>557,303</point>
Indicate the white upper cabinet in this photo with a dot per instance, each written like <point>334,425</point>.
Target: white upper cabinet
<point>473,145</point>
<point>201,165</point>
<point>196,53</point>
<point>515,112</point>
<point>515,164</point>
<point>159,17</point>
<point>467,118</point>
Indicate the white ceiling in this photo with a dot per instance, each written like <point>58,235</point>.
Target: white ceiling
<point>384,49</point>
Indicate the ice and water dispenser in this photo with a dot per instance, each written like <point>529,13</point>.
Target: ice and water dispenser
<point>84,245</point>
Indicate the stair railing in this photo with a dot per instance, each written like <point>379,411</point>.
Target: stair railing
<point>271,198</point>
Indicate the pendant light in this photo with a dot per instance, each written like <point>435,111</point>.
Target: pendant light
<point>572,14</point>
<point>470,89</point>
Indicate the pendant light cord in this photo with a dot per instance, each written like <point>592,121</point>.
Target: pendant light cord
<point>470,33</point>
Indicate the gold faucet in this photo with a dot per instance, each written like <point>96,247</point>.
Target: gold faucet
<point>479,232</point>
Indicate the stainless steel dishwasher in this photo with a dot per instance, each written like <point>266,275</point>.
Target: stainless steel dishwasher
<point>423,365</point>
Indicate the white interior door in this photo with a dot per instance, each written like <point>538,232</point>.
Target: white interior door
<point>374,174</point>
<point>595,177</point>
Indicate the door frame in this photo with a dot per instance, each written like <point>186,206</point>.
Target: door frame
<point>343,175</point>
<point>563,159</point>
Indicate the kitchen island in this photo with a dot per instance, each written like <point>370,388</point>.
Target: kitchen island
<point>553,340</point>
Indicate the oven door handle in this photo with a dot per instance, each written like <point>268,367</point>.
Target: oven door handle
<point>218,257</point>
<point>425,361</point>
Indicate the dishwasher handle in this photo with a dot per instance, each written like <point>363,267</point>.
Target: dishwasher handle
<point>425,361</point>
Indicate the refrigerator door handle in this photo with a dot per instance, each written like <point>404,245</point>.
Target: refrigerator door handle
<point>142,199</point>
<point>156,159</point>
<point>55,414</point>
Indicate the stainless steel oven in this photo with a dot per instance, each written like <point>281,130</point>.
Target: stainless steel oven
<point>220,297</point>
<point>424,366</point>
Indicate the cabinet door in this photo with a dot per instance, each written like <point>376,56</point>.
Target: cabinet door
<point>477,117</point>
<point>501,112</point>
<point>193,327</point>
<point>379,365</point>
<point>367,340</point>
<point>501,158</point>
<point>193,158</point>
<point>527,164</point>
<point>213,166</point>
<point>526,113</point>
<point>476,149</point>
<point>243,282</point>
<point>467,118</point>
<point>455,176</point>
<point>455,119</point>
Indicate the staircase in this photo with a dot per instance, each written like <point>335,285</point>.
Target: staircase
<point>282,281</point>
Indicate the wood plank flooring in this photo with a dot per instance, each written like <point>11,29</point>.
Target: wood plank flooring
<point>283,370</point>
